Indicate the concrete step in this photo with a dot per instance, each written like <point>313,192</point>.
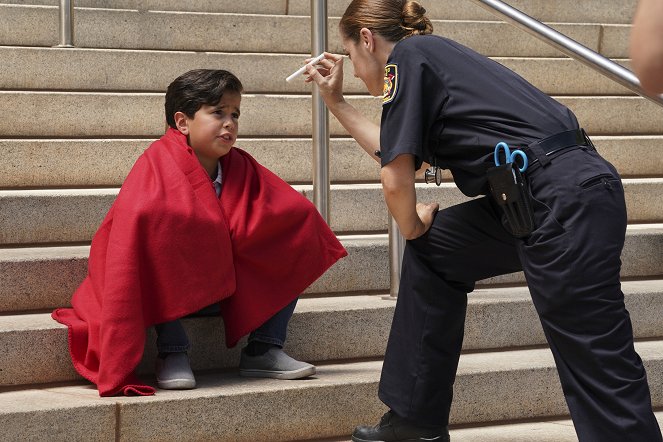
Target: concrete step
<point>361,208</point>
<point>128,115</point>
<point>124,70</point>
<point>322,329</point>
<point>73,215</point>
<point>106,162</point>
<point>331,403</point>
<point>227,6</point>
<point>551,430</point>
<point>594,11</point>
<point>563,11</point>
<point>43,163</point>
<point>44,278</point>
<point>142,29</point>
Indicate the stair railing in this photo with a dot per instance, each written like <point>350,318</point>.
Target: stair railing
<point>66,23</point>
<point>568,46</point>
<point>320,114</point>
<point>396,249</point>
<point>321,150</point>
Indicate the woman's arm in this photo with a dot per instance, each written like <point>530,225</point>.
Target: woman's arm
<point>413,219</point>
<point>364,131</point>
<point>329,78</point>
<point>398,177</point>
<point>646,46</point>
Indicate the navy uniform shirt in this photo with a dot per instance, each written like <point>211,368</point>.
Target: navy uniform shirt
<point>447,104</point>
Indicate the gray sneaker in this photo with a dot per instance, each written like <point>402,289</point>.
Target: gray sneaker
<point>174,372</point>
<point>275,363</point>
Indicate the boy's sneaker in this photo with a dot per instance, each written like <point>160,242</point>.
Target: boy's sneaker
<point>393,428</point>
<point>174,372</point>
<point>275,363</point>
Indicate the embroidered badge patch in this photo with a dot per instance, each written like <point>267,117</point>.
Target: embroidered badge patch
<point>390,83</point>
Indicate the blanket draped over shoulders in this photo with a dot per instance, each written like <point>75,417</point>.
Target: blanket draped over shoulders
<point>169,247</point>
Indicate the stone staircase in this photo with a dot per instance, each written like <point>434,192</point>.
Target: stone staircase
<point>75,120</point>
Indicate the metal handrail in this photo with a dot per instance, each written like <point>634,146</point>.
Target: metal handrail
<point>66,24</point>
<point>568,46</point>
<point>320,114</point>
<point>396,249</point>
<point>321,150</point>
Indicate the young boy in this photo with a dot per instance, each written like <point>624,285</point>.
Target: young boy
<point>198,224</point>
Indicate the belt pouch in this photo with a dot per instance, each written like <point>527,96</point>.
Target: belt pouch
<point>509,190</point>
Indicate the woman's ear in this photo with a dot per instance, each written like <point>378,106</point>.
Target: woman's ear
<point>367,39</point>
<point>182,122</point>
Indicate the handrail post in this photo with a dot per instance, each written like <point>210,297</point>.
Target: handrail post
<point>66,24</point>
<point>320,118</point>
<point>396,248</point>
<point>320,114</point>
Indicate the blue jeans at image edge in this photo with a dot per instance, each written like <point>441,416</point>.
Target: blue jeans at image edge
<point>172,338</point>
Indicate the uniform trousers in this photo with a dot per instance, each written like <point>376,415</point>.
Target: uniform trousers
<point>571,262</point>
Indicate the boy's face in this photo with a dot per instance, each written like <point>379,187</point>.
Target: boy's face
<point>213,129</point>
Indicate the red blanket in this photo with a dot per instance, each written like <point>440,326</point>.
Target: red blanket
<point>168,247</point>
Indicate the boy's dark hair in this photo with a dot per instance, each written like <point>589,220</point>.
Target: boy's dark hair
<point>194,89</point>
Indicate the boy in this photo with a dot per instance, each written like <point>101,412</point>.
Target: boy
<point>197,224</point>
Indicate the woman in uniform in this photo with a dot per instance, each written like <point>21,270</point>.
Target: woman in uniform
<point>563,223</point>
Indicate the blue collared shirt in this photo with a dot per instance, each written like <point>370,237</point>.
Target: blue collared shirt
<point>217,181</point>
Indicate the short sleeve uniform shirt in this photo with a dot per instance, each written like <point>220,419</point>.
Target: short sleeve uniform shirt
<point>448,105</point>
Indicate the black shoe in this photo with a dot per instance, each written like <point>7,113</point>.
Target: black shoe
<point>393,428</point>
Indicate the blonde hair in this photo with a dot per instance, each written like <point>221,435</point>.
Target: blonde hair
<point>391,19</point>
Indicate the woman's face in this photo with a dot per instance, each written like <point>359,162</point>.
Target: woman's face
<point>367,67</point>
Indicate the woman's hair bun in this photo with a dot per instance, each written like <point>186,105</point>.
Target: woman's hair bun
<point>414,19</point>
<point>392,19</point>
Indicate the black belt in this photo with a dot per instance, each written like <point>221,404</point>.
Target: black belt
<point>542,151</point>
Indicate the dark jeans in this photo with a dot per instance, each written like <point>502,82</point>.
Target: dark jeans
<point>571,262</point>
<point>171,336</point>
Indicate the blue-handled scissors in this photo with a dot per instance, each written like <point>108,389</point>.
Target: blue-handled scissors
<point>510,156</point>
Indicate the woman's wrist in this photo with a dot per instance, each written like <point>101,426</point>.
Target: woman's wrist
<point>415,231</point>
<point>335,103</point>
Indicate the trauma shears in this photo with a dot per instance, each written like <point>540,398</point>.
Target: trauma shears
<point>509,156</point>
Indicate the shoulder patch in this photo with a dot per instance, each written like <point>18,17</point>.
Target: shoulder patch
<point>390,83</point>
